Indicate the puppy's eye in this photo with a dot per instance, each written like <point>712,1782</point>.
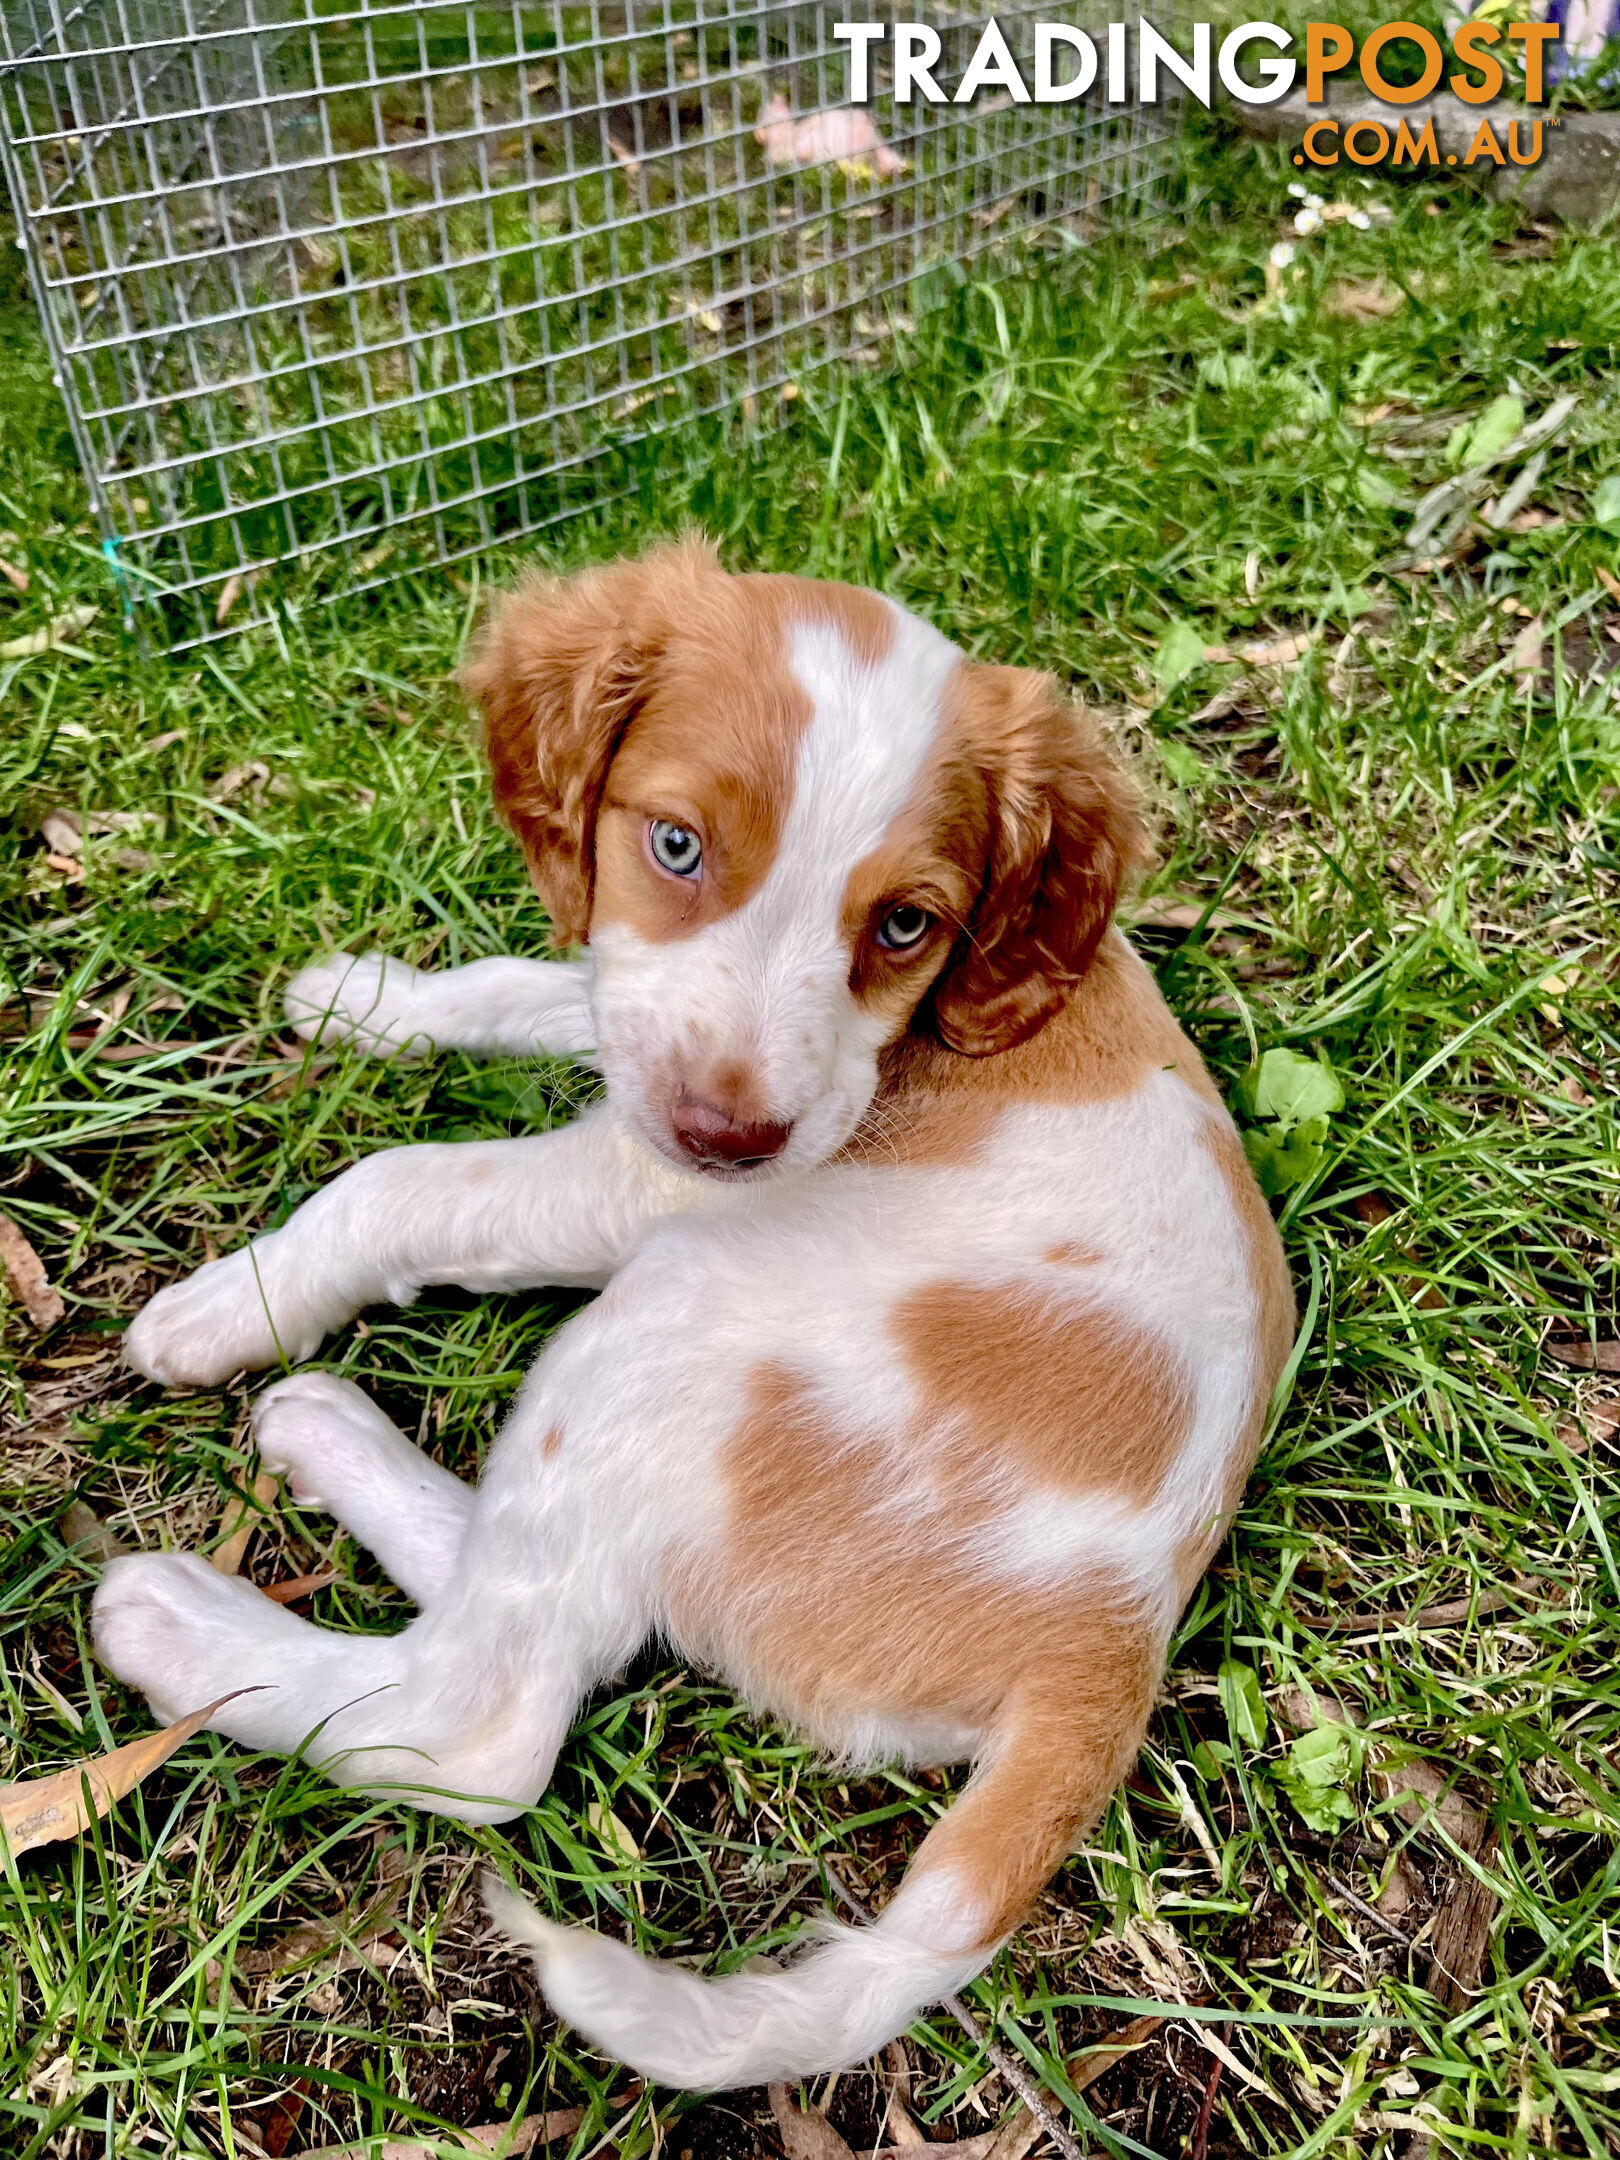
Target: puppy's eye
<point>676,848</point>
<point>903,927</point>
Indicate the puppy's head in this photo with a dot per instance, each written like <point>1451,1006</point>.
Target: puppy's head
<point>792,822</point>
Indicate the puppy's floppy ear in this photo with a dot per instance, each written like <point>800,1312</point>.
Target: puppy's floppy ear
<point>559,668</point>
<point>1063,834</point>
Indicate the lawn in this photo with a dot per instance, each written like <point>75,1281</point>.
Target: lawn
<point>1365,1876</point>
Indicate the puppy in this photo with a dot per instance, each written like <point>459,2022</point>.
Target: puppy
<point>938,1318</point>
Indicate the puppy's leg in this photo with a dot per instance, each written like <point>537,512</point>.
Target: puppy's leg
<point>564,1207</point>
<point>337,1451</point>
<point>493,1008</point>
<point>464,1711</point>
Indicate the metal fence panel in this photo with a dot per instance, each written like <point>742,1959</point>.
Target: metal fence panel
<point>335,290</point>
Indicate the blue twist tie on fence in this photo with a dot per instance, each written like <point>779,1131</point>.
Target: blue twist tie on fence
<point>109,549</point>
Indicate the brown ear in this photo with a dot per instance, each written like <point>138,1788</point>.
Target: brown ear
<point>559,668</point>
<point>1064,832</point>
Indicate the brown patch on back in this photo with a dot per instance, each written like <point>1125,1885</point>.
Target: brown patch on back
<point>1074,1394</point>
<point>845,1599</point>
<point>833,1596</point>
<point>551,1442</point>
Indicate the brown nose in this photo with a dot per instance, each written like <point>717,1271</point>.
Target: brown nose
<point>709,1135</point>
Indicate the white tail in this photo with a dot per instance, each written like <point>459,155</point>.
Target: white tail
<point>837,2003</point>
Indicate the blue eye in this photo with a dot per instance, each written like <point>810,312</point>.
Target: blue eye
<point>903,927</point>
<point>676,848</point>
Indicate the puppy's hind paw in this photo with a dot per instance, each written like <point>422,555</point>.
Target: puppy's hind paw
<point>183,1634</point>
<point>367,1001</point>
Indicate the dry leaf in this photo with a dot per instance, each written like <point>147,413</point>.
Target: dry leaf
<point>1350,298</point>
<point>1585,1356</point>
<point>64,829</point>
<point>369,1929</point>
<point>1599,1419</point>
<point>55,633</point>
<point>1609,581</point>
<point>25,1272</point>
<point>82,1530</point>
<point>242,1517</point>
<point>1016,2135</point>
<point>14,575</point>
<point>300,1586</point>
<point>897,2122</point>
<point>1398,1893</point>
<point>511,2139</point>
<point>1572,1091</point>
<point>626,158</point>
<point>1527,653</point>
<point>40,1811</point>
<point>806,2133</point>
<point>229,783</point>
<point>1223,2054</point>
<point>612,1832</point>
<point>1279,652</point>
<point>1165,913</point>
<point>1093,2062</point>
<point>229,593</point>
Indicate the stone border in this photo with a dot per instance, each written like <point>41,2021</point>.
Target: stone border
<point>1577,176</point>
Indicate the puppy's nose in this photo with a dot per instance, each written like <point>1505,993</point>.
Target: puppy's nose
<point>711,1135</point>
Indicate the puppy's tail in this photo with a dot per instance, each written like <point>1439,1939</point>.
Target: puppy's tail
<point>975,1876</point>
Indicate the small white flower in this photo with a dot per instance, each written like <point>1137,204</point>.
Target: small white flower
<point>1283,254</point>
<point>1307,221</point>
<point>1314,202</point>
<point>1296,188</point>
<point>1361,221</point>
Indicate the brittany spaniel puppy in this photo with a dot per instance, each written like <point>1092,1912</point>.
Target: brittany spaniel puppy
<point>939,1312</point>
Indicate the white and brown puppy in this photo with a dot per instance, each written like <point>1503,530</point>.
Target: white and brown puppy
<point>939,1312</point>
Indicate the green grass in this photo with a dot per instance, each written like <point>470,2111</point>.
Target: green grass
<point>1095,467</point>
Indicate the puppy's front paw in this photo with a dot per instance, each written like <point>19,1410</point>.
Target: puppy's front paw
<point>324,1437</point>
<point>183,1634</point>
<point>231,1316</point>
<point>367,1001</point>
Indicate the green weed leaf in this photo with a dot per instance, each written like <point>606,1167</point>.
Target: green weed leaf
<point>1180,651</point>
<point>1316,1771</point>
<point>1290,1088</point>
<point>1184,766</point>
<point>1243,1703</point>
<point>1606,503</point>
<point>1227,371</point>
<point>1282,1160</point>
<point>1473,443</point>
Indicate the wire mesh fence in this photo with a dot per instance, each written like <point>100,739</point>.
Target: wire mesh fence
<point>337,290</point>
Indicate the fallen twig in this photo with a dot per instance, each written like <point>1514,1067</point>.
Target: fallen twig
<point>1370,1913</point>
<point>1452,1613</point>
